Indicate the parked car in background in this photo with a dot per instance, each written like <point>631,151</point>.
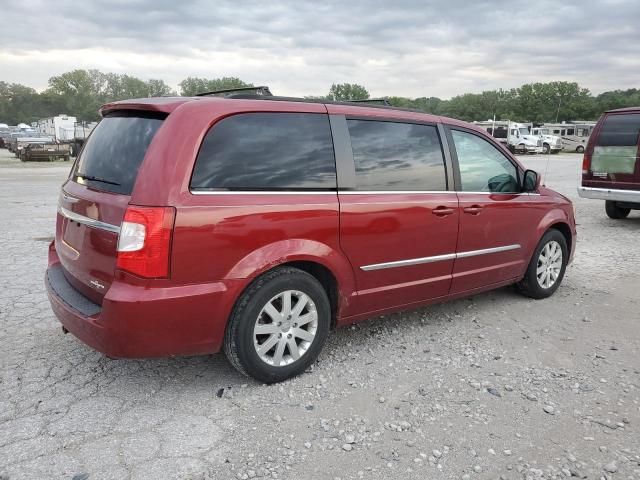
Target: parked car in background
<point>5,132</point>
<point>515,136</point>
<point>20,143</point>
<point>611,165</point>
<point>273,220</point>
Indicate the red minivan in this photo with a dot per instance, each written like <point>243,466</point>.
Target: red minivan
<point>611,165</point>
<point>256,224</point>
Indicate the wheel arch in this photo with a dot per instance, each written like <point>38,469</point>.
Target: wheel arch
<point>330,267</point>
<point>557,219</point>
<point>565,230</point>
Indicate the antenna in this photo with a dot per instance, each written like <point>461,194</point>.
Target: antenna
<point>546,169</point>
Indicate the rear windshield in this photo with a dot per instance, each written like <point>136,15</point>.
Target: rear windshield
<point>620,131</point>
<point>113,153</point>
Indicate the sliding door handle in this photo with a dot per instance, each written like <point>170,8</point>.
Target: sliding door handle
<point>473,209</point>
<point>443,211</point>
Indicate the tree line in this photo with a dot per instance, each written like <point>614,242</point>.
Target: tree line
<point>81,92</point>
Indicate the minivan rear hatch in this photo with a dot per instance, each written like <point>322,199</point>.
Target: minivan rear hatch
<point>93,201</point>
<point>615,155</point>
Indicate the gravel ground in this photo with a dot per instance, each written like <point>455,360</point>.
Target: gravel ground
<point>494,386</point>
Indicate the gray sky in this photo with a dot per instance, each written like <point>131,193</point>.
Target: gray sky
<point>399,47</point>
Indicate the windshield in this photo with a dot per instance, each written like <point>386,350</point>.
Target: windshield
<point>114,151</point>
<point>523,131</point>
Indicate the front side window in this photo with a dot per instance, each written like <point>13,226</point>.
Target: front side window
<point>483,168</point>
<point>396,156</point>
<point>267,151</point>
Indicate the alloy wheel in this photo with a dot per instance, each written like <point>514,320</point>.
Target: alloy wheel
<point>285,328</point>
<point>549,264</point>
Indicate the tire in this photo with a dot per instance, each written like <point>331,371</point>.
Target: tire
<point>614,211</point>
<point>534,286</point>
<point>241,343</point>
<point>580,149</point>
<point>546,148</point>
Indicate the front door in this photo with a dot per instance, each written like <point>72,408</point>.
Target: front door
<point>496,220</point>
<point>399,225</point>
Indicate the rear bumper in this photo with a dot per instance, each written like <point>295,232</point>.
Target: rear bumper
<point>137,322</point>
<point>631,196</point>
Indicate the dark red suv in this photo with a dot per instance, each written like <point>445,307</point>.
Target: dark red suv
<point>611,164</point>
<point>255,225</point>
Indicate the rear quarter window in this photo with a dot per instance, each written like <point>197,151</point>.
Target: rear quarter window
<point>114,152</point>
<point>616,148</point>
<point>619,131</point>
<point>267,151</point>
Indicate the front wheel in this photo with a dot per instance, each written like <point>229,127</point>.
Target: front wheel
<point>278,326</point>
<point>546,148</point>
<point>547,266</point>
<point>614,211</point>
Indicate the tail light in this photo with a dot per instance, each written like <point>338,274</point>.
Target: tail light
<point>144,243</point>
<point>586,164</point>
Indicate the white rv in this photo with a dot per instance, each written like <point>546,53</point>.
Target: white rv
<point>60,127</point>
<point>574,135</point>
<point>516,136</point>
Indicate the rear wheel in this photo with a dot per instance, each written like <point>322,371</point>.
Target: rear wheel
<point>614,211</point>
<point>547,266</point>
<point>279,325</point>
<point>580,149</point>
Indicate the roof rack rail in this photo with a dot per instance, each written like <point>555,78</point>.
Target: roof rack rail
<point>375,101</point>
<point>260,90</point>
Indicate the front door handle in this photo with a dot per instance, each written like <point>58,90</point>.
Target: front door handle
<point>473,209</point>
<point>442,211</point>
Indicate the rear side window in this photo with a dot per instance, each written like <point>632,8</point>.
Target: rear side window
<point>619,131</point>
<point>397,156</point>
<point>616,147</point>
<point>267,151</point>
<point>113,153</point>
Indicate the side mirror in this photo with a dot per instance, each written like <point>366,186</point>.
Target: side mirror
<point>530,181</point>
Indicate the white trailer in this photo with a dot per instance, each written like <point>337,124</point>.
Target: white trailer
<point>515,136</point>
<point>60,127</point>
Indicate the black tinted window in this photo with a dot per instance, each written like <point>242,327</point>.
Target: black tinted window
<point>113,153</point>
<point>396,156</point>
<point>620,131</point>
<point>267,151</point>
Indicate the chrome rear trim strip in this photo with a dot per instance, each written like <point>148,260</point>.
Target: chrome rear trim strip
<point>438,258</point>
<point>89,222</point>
